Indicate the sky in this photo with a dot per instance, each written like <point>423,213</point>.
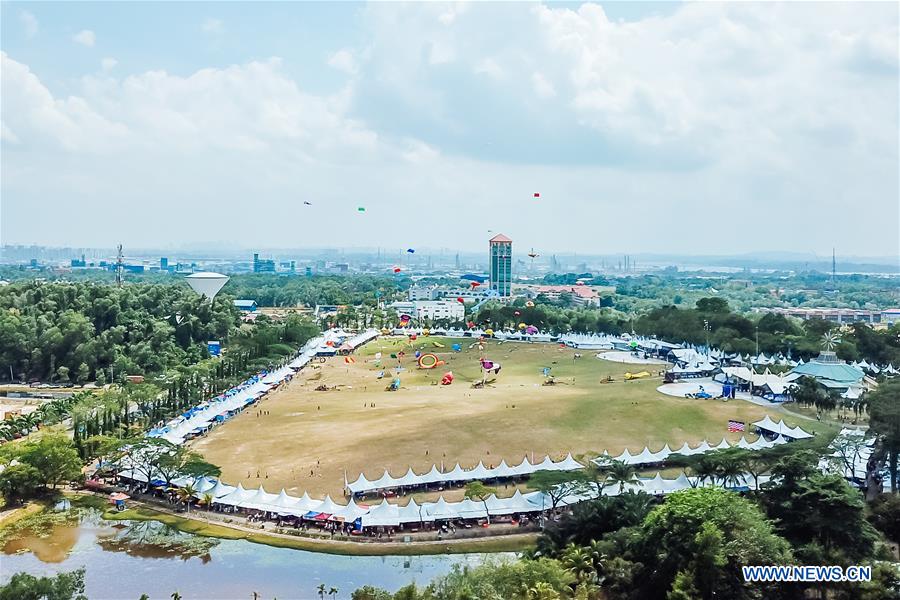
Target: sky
<point>688,128</point>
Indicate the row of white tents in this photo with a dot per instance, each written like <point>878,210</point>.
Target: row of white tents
<point>781,428</point>
<point>207,414</point>
<point>386,514</point>
<point>411,479</point>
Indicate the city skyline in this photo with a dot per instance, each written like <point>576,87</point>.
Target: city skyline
<point>594,128</point>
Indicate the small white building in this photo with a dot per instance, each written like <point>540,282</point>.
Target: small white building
<point>423,292</point>
<point>432,309</point>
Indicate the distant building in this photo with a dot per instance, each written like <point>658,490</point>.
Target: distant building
<point>582,295</point>
<point>501,265</point>
<point>890,316</point>
<point>423,292</point>
<point>432,309</point>
<point>834,315</point>
<point>164,264</point>
<point>262,265</point>
<point>246,305</point>
<point>830,372</point>
<point>79,263</point>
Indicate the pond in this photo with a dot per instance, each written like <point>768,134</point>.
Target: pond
<point>125,559</point>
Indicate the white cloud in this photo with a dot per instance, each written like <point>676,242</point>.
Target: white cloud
<point>543,88</point>
<point>85,37</point>
<point>108,64</point>
<point>213,26</point>
<point>343,60</point>
<point>29,23</point>
<point>488,66</point>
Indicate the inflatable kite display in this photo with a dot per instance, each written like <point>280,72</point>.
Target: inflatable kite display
<point>428,361</point>
<point>531,330</point>
<point>447,379</point>
<point>437,344</point>
<point>490,366</point>
<point>488,332</point>
<point>529,304</point>
<point>425,332</point>
<point>457,347</point>
<point>522,326</point>
<point>412,337</point>
<point>474,284</point>
<point>349,360</point>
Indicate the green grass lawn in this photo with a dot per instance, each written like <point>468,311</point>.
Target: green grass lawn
<point>308,440</point>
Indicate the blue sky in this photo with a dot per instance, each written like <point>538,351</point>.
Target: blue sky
<point>646,127</point>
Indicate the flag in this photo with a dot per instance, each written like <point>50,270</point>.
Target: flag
<point>735,426</point>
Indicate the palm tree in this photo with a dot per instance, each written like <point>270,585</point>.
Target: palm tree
<point>186,494</point>
<point>176,596</point>
<point>542,591</point>
<point>207,501</point>
<point>618,472</point>
<point>333,591</point>
<point>579,561</point>
<point>321,590</point>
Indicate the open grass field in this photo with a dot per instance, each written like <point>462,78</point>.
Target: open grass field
<point>306,439</point>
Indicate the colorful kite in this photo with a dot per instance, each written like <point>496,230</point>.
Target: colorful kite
<point>349,360</point>
<point>457,347</point>
<point>410,251</point>
<point>428,361</point>
<point>490,366</point>
<point>531,330</point>
<point>447,379</point>
<point>461,300</point>
<point>537,194</point>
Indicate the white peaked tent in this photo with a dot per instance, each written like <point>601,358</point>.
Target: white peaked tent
<point>456,474</point>
<point>410,479</point>
<point>479,472</point>
<point>360,485</point>
<point>432,476</point>
<point>259,499</point>
<point>220,489</point>
<point>523,468</point>
<point>329,506</point>
<point>723,445</point>
<point>767,424</point>
<point>441,510</point>
<point>503,470</point>
<point>567,464</point>
<point>283,504</point>
<point>383,515</point>
<point>470,509</point>
<point>545,465</point>
<point>413,513</point>
<point>306,504</point>
<point>349,513</point>
<point>625,457</point>
<point>238,495</point>
<point>384,482</point>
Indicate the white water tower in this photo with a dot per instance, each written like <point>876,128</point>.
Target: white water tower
<point>206,283</point>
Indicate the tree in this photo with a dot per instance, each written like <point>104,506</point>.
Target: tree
<point>20,482</point>
<point>811,508</point>
<point>476,490</point>
<point>186,494</point>
<point>885,515</point>
<point>54,456</point>
<point>884,420</point>
<point>63,586</point>
<point>708,533</point>
<point>556,485</point>
<point>619,473</point>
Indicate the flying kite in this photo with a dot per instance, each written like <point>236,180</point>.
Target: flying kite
<point>474,284</point>
<point>410,251</point>
<point>307,203</point>
<point>428,361</point>
<point>361,209</point>
<point>537,194</point>
<point>457,347</point>
<point>461,300</point>
<point>533,254</point>
<point>490,366</point>
<point>349,360</point>
<point>517,313</point>
<point>396,269</point>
